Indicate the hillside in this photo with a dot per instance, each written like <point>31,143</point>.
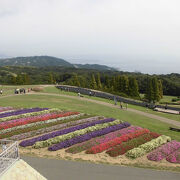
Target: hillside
<point>37,61</point>
<point>45,61</point>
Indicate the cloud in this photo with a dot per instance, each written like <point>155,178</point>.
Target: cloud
<point>124,33</point>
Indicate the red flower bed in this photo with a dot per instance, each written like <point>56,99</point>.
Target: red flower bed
<point>28,120</point>
<point>104,146</point>
<point>126,146</point>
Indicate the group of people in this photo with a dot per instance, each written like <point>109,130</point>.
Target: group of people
<point>121,103</point>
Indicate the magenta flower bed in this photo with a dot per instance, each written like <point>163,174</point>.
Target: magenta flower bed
<point>163,151</point>
<point>32,141</point>
<point>98,140</point>
<point>174,157</point>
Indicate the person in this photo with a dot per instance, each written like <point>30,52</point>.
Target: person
<point>1,91</point>
<point>126,105</point>
<point>79,94</point>
<point>115,101</point>
<point>121,105</point>
<point>89,93</point>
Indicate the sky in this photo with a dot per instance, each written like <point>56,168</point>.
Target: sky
<point>131,35</point>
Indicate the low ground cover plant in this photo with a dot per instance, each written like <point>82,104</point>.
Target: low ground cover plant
<point>126,146</point>
<point>148,147</point>
<point>102,139</point>
<point>163,151</point>
<point>105,146</point>
<point>70,135</point>
<point>87,136</point>
<point>174,157</point>
<point>45,137</point>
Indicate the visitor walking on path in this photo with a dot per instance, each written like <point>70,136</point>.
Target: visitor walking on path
<point>121,105</point>
<point>115,101</point>
<point>1,91</point>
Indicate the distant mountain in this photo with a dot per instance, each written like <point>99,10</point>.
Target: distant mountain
<point>95,66</point>
<point>44,61</point>
<point>36,61</point>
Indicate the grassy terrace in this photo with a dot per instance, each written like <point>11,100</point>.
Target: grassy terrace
<point>68,103</point>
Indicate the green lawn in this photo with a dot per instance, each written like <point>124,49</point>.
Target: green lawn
<point>68,103</point>
<point>52,89</point>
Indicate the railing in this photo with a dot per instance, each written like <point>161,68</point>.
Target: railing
<point>9,154</point>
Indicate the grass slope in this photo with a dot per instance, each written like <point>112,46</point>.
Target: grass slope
<point>68,103</point>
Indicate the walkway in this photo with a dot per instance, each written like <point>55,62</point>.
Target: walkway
<point>54,169</point>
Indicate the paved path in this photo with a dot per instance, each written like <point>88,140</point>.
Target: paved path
<point>153,116</point>
<point>54,169</point>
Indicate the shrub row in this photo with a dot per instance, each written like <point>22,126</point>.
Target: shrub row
<point>64,137</point>
<point>164,151</point>
<point>45,137</point>
<point>126,146</point>
<point>87,118</point>
<point>147,147</point>
<point>88,136</point>
<point>104,146</point>
<point>98,140</point>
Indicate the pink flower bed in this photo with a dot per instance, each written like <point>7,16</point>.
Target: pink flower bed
<point>164,151</point>
<point>174,157</point>
<point>95,141</point>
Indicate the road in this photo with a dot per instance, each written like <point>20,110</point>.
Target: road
<point>54,169</point>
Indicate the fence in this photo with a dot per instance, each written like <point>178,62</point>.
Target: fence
<point>9,154</point>
<point>110,96</point>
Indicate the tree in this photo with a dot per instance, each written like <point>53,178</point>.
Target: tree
<point>51,79</point>
<point>93,82</point>
<point>13,80</point>
<point>133,87</point>
<point>149,90</point>
<point>160,89</point>
<point>19,80</point>
<point>99,85</point>
<point>76,80</point>
<point>125,84</point>
<point>155,87</point>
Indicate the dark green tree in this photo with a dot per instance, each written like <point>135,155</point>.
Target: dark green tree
<point>99,85</point>
<point>93,82</point>
<point>133,87</point>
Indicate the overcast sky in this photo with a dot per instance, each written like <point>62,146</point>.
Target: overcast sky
<point>132,35</point>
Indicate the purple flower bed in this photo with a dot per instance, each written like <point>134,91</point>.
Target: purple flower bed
<point>174,157</point>
<point>98,140</point>
<point>52,128</point>
<point>163,151</point>
<point>87,136</point>
<point>32,141</point>
<point>22,111</point>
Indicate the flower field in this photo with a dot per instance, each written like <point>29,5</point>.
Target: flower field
<point>78,133</point>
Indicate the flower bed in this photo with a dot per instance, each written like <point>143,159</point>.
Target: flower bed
<point>64,137</point>
<point>147,147</point>
<point>126,146</point>
<point>40,125</point>
<point>98,140</point>
<point>55,127</point>
<point>29,114</point>
<point>22,111</point>
<point>2,109</point>
<point>174,157</point>
<point>28,120</point>
<point>45,137</point>
<point>87,136</point>
<point>116,141</point>
<point>43,120</point>
<point>164,151</point>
